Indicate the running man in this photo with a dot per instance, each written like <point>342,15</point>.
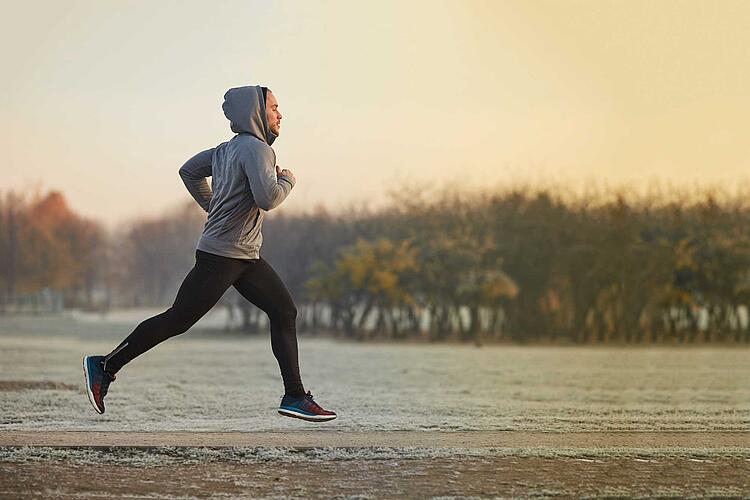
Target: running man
<point>245,182</point>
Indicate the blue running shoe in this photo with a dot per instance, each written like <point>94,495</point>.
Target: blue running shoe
<point>304,408</point>
<point>97,381</point>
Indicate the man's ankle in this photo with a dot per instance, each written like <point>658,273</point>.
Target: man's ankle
<point>109,372</point>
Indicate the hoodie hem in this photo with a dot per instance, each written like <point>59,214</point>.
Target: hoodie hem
<point>227,249</point>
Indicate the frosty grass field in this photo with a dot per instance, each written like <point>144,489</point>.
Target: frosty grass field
<point>206,381</point>
<point>202,381</point>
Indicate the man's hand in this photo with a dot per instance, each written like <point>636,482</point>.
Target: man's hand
<point>285,172</point>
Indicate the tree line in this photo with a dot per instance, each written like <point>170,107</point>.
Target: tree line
<point>520,264</point>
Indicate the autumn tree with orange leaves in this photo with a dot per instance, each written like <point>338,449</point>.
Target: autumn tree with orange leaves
<point>43,243</point>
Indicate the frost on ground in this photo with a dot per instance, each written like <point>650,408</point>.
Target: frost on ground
<point>204,381</point>
<point>174,456</point>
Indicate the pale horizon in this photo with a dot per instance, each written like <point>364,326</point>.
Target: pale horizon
<point>105,102</point>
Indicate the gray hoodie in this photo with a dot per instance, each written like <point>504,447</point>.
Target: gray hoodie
<point>243,179</point>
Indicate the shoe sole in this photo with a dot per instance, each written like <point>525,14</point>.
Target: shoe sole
<point>309,418</point>
<point>88,386</point>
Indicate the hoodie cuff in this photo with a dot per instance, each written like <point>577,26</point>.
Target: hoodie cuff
<point>288,179</point>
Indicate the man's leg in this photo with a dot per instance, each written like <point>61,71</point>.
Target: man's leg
<point>263,287</point>
<point>202,288</point>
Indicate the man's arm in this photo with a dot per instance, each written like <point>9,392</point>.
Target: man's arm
<point>260,169</point>
<point>194,173</point>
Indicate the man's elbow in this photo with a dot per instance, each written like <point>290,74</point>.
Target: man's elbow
<point>263,203</point>
<point>266,205</point>
<point>189,174</point>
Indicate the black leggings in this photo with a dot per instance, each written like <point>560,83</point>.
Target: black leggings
<point>202,288</point>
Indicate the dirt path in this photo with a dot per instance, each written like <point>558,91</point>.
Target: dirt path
<point>140,465</point>
<point>488,477</point>
<point>394,439</point>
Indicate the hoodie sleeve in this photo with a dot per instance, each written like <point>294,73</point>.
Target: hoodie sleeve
<point>194,173</point>
<point>259,165</point>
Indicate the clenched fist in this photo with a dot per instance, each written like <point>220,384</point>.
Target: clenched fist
<point>285,172</point>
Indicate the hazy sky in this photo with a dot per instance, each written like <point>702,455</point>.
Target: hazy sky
<point>105,100</point>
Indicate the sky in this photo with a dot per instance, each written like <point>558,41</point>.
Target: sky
<point>104,101</point>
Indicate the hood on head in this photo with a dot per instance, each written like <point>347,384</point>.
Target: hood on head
<point>245,109</point>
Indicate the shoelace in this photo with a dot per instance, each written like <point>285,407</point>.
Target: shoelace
<point>106,380</point>
<point>309,397</point>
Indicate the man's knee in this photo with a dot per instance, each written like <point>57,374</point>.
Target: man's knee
<point>286,312</point>
<point>180,320</point>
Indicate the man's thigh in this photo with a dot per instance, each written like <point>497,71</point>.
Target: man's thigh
<point>261,285</point>
<point>204,285</point>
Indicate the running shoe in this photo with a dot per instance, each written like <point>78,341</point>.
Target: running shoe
<point>304,408</point>
<point>97,381</point>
